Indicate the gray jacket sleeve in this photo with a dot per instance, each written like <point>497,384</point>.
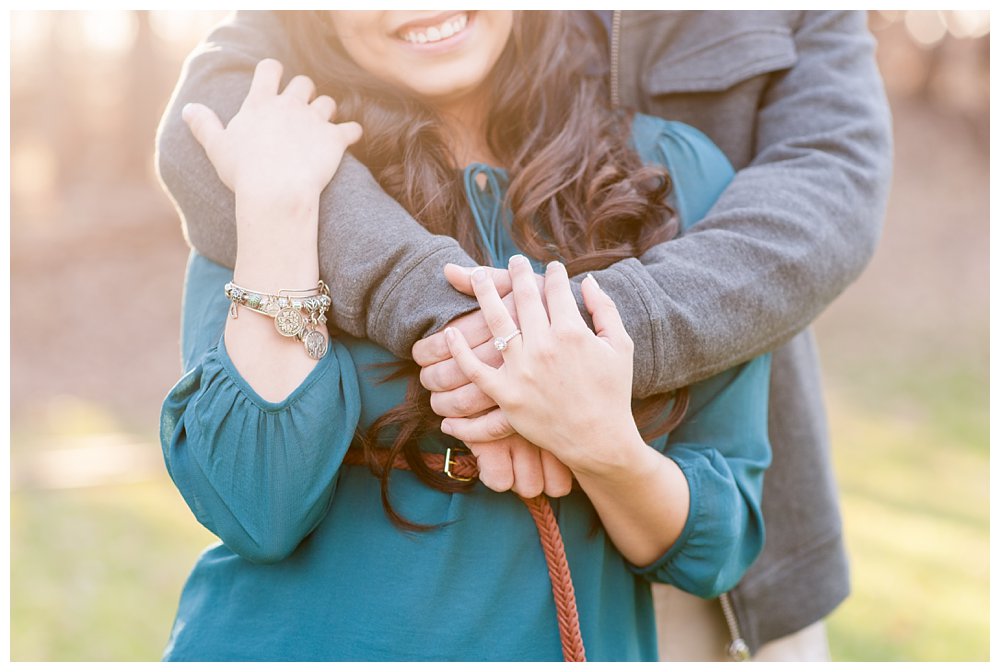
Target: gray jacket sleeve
<point>789,234</point>
<point>792,230</point>
<point>383,268</point>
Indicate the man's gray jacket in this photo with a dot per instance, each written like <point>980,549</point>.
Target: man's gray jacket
<point>795,101</point>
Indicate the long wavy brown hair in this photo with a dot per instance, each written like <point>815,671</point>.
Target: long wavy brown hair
<point>578,191</point>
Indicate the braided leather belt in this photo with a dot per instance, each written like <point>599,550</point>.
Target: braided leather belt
<point>463,467</point>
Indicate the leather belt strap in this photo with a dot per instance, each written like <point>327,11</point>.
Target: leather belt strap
<point>464,466</point>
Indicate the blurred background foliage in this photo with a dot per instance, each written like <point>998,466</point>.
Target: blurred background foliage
<point>101,542</point>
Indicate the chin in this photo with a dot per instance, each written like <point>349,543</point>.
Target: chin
<point>451,85</point>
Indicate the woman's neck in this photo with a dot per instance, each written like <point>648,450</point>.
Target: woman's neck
<point>465,119</point>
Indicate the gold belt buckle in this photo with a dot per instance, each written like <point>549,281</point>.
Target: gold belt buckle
<point>448,462</point>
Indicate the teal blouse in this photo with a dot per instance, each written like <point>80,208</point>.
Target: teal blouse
<point>308,566</point>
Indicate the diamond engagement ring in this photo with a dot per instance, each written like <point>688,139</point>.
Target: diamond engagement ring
<point>500,343</point>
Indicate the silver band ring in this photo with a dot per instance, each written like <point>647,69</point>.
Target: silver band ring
<point>500,343</point>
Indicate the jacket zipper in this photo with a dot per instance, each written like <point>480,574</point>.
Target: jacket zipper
<point>616,29</point>
<point>737,649</point>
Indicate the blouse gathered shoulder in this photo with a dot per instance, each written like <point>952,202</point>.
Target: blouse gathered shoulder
<point>308,567</point>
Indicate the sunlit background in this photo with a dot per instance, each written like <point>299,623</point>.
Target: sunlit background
<point>100,540</point>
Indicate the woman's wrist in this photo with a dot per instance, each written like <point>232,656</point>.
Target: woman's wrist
<point>271,271</point>
<point>643,507</point>
<point>268,216</point>
<point>620,460</point>
<point>273,200</point>
<point>277,241</point>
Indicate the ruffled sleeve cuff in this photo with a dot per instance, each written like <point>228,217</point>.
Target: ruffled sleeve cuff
<point>723,533</point>
<point>259,474</point>
<point>322,368</point>
<point>662,565</point>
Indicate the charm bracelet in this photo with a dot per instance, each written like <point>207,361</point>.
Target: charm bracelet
<point>297,313</point>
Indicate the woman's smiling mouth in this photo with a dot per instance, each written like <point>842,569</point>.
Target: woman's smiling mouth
<point>434,29</point>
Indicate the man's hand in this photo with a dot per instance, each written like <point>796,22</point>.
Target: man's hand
<point>516,464</point>
<point>563,386</point>
<point>434,349</point>
<point>507,461</point>
<point>452,395</point>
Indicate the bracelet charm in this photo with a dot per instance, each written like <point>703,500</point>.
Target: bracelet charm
<point>289,322</point>
<point>316,344</point>
<point>296,312</point>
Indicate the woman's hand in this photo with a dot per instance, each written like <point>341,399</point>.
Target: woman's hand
<point>507,461</point>
<point>278,143</point>
<point>562,387</point>
<point>568,390</point>
<point>277,154</point>
<point>476,416</point>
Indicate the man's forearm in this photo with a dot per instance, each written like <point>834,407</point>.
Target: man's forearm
<point>794,244</point>
<point>383,268</point>
<point>791,231</point>
<point>387,269</point>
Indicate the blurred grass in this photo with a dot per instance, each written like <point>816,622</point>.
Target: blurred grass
<point>96,572</point>
<point>911,453</point>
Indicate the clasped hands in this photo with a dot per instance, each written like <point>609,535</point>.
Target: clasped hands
<point>556,402</point>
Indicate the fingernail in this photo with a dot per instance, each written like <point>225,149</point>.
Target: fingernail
<point>186,111</point>
<point>593,280</point>
<point>446,427</point>
<point>449,334</point>
<point>479,275</point>
<point>517,259</point>
<point>554,265</point>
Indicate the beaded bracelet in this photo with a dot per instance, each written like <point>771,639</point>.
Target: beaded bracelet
<point>297,312</point>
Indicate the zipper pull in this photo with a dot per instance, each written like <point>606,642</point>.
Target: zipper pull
<point>739,651</point>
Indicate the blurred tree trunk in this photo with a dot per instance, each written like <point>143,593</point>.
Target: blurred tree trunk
<point>143,104</point>
<point>55,94</point>
<point>932,65</point>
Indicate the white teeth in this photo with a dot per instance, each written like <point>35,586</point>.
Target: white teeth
<point>438,33</point>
